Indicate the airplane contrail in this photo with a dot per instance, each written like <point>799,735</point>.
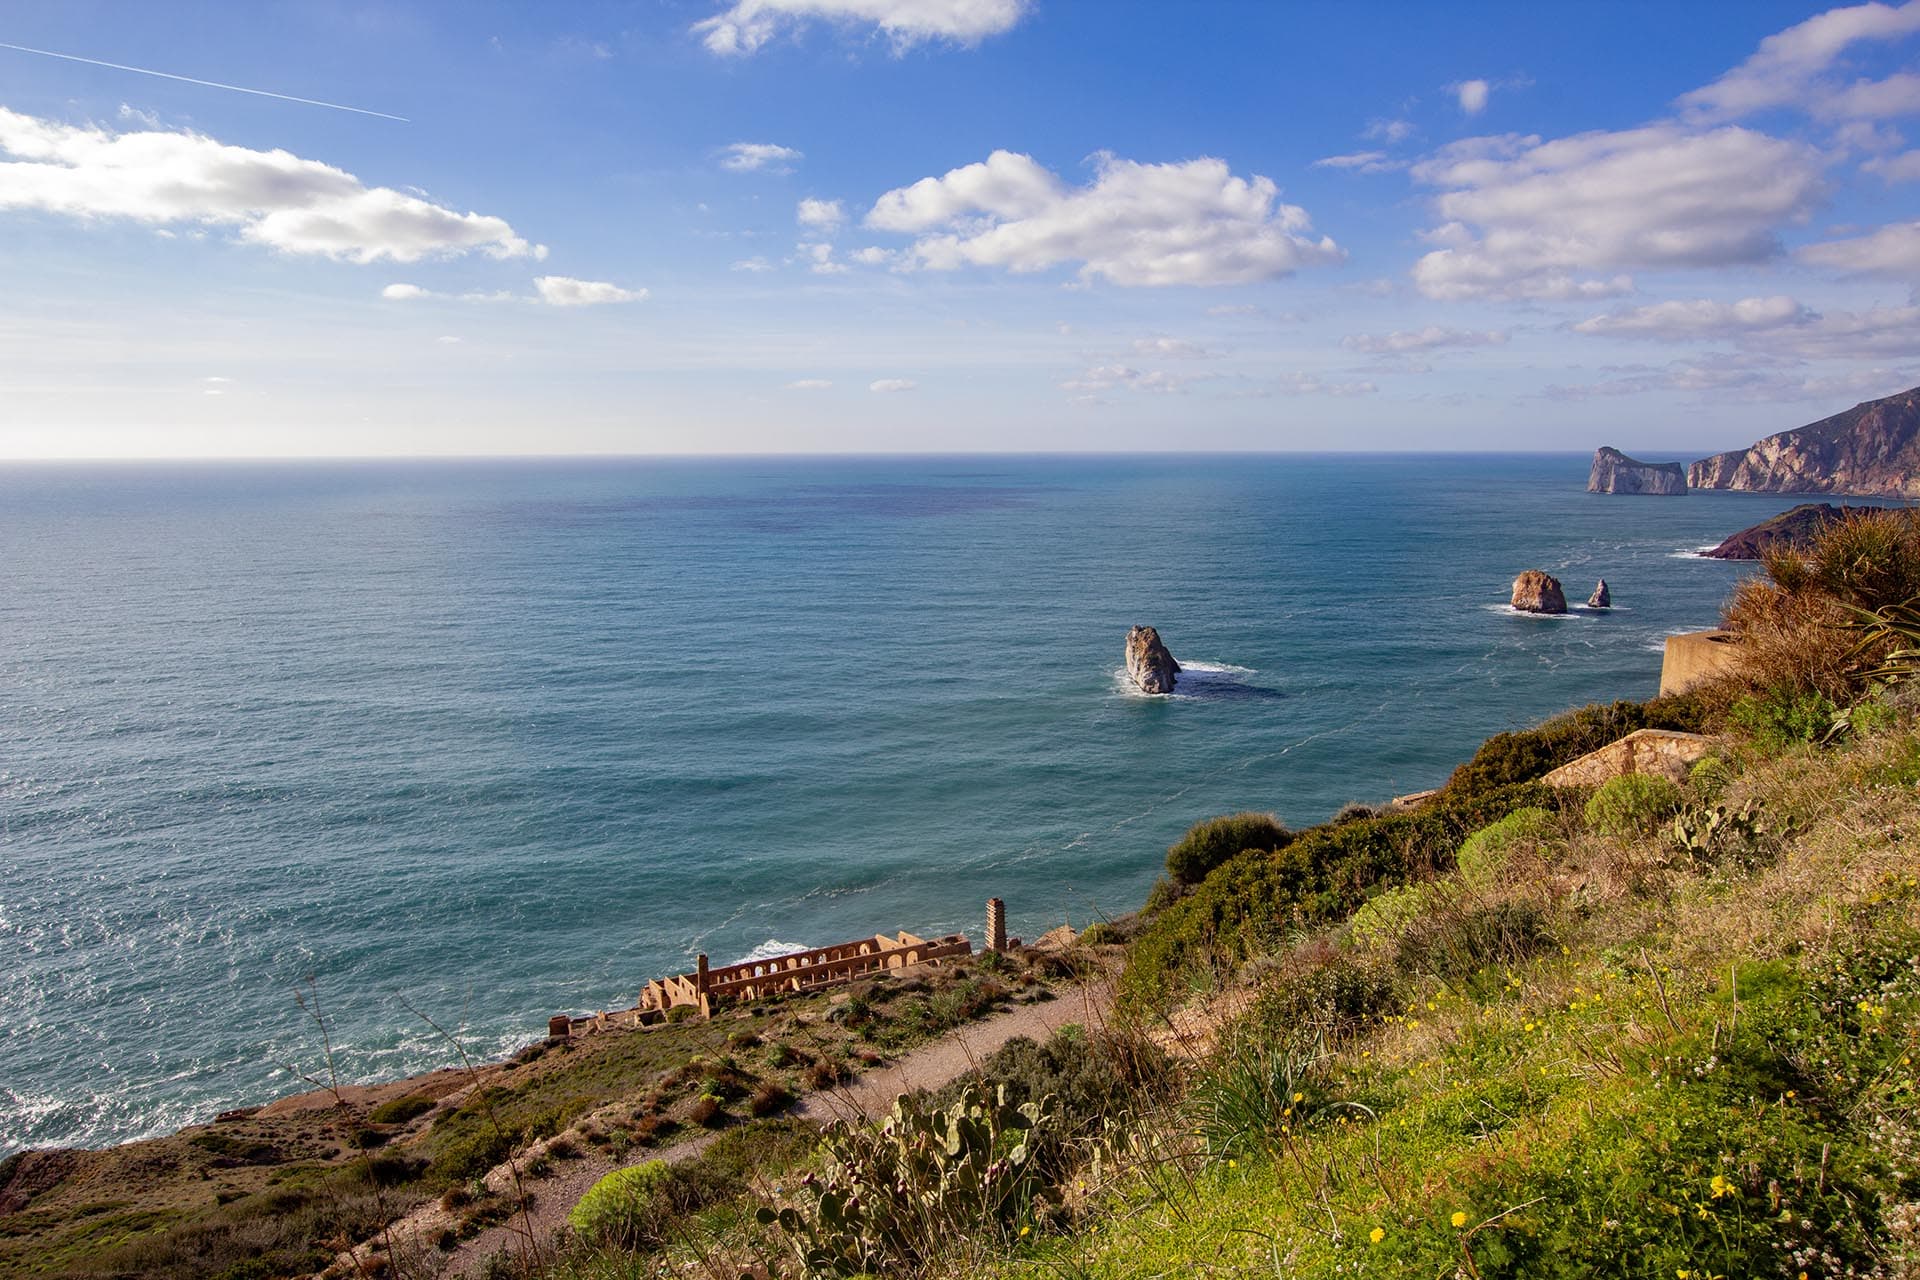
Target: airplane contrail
<point>211,84</point>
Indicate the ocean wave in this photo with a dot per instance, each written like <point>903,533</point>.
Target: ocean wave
<point>1693,553</point>
<point>1512,612</point>
<point>1215,668</point>
<point>771,949</point>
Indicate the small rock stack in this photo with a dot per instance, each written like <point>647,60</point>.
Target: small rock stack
<point>1149,665</point>
<point>1537,592</point>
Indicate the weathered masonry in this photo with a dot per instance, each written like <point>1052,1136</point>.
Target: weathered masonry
<point>700,990</point>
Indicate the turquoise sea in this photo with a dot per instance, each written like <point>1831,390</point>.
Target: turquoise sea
<point>485,741</point>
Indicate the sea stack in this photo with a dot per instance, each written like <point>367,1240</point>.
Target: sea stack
<point>1601,597</point>
<point>1149,665</point>
<point>1614,472</point>
<point>1537,592</point>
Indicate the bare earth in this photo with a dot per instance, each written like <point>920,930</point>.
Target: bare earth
<point>930,1066</point>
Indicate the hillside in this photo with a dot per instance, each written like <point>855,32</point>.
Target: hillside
<point>1871,449</point>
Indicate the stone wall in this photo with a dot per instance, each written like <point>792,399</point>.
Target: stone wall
<point>1697,657</point>
<point>1656,751</point>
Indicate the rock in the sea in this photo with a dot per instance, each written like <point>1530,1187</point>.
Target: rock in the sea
<point>1796,528</point>
<point>1614,472</point>
<point>1601,597</point>
<point>1149,665</point>
<point>1537,592</point>
<point>1872,448</point>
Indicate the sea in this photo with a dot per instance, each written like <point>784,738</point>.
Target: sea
<point>356,768</point>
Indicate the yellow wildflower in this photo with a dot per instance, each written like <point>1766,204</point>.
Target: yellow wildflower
<point>1720,1187</point>
<point>1377,1234</point>
<point>1459,1219</point>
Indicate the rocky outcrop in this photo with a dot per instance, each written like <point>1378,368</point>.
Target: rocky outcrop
<point>1796,528</point>
<point>1872,448</point>
<point>1537,592</point>
<point>1601,597</point>
<point>1650,751</point>
<point>1614,472</point>
<point>1149,665</point>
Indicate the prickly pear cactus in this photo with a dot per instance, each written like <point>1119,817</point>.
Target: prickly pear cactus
<point>891,1194</point>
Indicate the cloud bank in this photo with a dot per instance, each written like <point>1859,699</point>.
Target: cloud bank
<point>274,199</point>
<point>745,26</point>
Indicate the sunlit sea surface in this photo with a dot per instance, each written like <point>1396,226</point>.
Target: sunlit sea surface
<point>479,742</point>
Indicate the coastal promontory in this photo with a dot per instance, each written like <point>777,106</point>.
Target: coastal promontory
<point>1872,448</point>
<point>1796,528</point>
<point>1614,472</point>
<point>1149,665</point>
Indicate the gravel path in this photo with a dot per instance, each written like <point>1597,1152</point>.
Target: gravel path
<point>927,1067</point>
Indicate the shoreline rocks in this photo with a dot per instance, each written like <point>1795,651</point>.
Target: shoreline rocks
<point>1601,597</point>
<point>1537,592</point>
<point>1796,528</point>
<point>1614,472</point>
<point>1149,665</point>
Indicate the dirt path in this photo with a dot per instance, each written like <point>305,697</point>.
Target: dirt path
<point>412,1240</point>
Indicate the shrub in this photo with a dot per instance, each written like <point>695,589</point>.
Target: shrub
<point>770,1097</point>
<point>1458,940</point>
<point>1383,918</point>
<point>623,1210</point>
<point>1099,934</point>
<point>1634,804</point>
<point>1783,717</point>
<point>1261,1088</point>
<point>1484,853</point>
<point>1211,842</point>
<point>708,1110</point>
<point>1250,903</point>
<point>401,1110</point>
<point>893,1196</point>
<point>1710,776</point>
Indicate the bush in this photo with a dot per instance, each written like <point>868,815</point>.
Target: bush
<point>623,1210</point>
<point>401,1110</point>
<point>1251,902</point>
<point>1211,842</point>
<point>1382,919</point>
<point>1710,776</point>
<point>1457,941</point>
<point>1484,853</point>
<point>1783,717</point>
<point>1634,804</point>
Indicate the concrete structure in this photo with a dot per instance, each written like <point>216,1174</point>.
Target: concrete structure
<point>1653,751</point>
<point>1697,657</point>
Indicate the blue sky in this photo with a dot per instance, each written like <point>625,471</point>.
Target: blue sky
<point>701,226</point>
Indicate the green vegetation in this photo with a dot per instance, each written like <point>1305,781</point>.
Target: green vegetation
<point>1213,841</point>
<point>624,1208</point>
<point>1633,805</point>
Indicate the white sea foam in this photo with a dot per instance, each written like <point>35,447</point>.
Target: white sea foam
<point>1693,553</point>
<point>772,949</point>
<point>1512,612</point>
<point>1214,668</point>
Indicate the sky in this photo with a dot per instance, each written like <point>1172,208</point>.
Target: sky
<point>288,228</point>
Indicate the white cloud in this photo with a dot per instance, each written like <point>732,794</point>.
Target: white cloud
<point>135,114</point>
<point>1770,332</point>
<point>1788,67</point>
<point>754,157</point>
<point>1308,384</point>
<point>1737,378</point>
<point>1361,162</point>
<point>1471,95</point>
<point>1904,167</point>
<point>1240,310</point>
<point>809,384</point>
<point>403,292</point>
<point>1523,218</point>
<point>746,25</point>
<point>1108,377</point>
<point>273,198</point>
<point>873,256</point>
<point>1171,349</point>
<point>1191,223</point>
<point>449,340</point>
<point>565,291</point>
<point>887,385</point>
<point>820,259</point>
<point>1698,318</point>
<point>1892,250</point>
<point>821,215</point>
<point>1389,131</point>
<point>751,264</point>
<point>1422,340</point>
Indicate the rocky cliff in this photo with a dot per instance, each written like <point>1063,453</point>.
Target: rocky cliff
<point>1149,665</point>
<point>1872,448</point>
<point>1614,472</point>
<point>1797,528</point>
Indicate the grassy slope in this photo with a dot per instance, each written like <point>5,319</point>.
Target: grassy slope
<point>1702,1072</point>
